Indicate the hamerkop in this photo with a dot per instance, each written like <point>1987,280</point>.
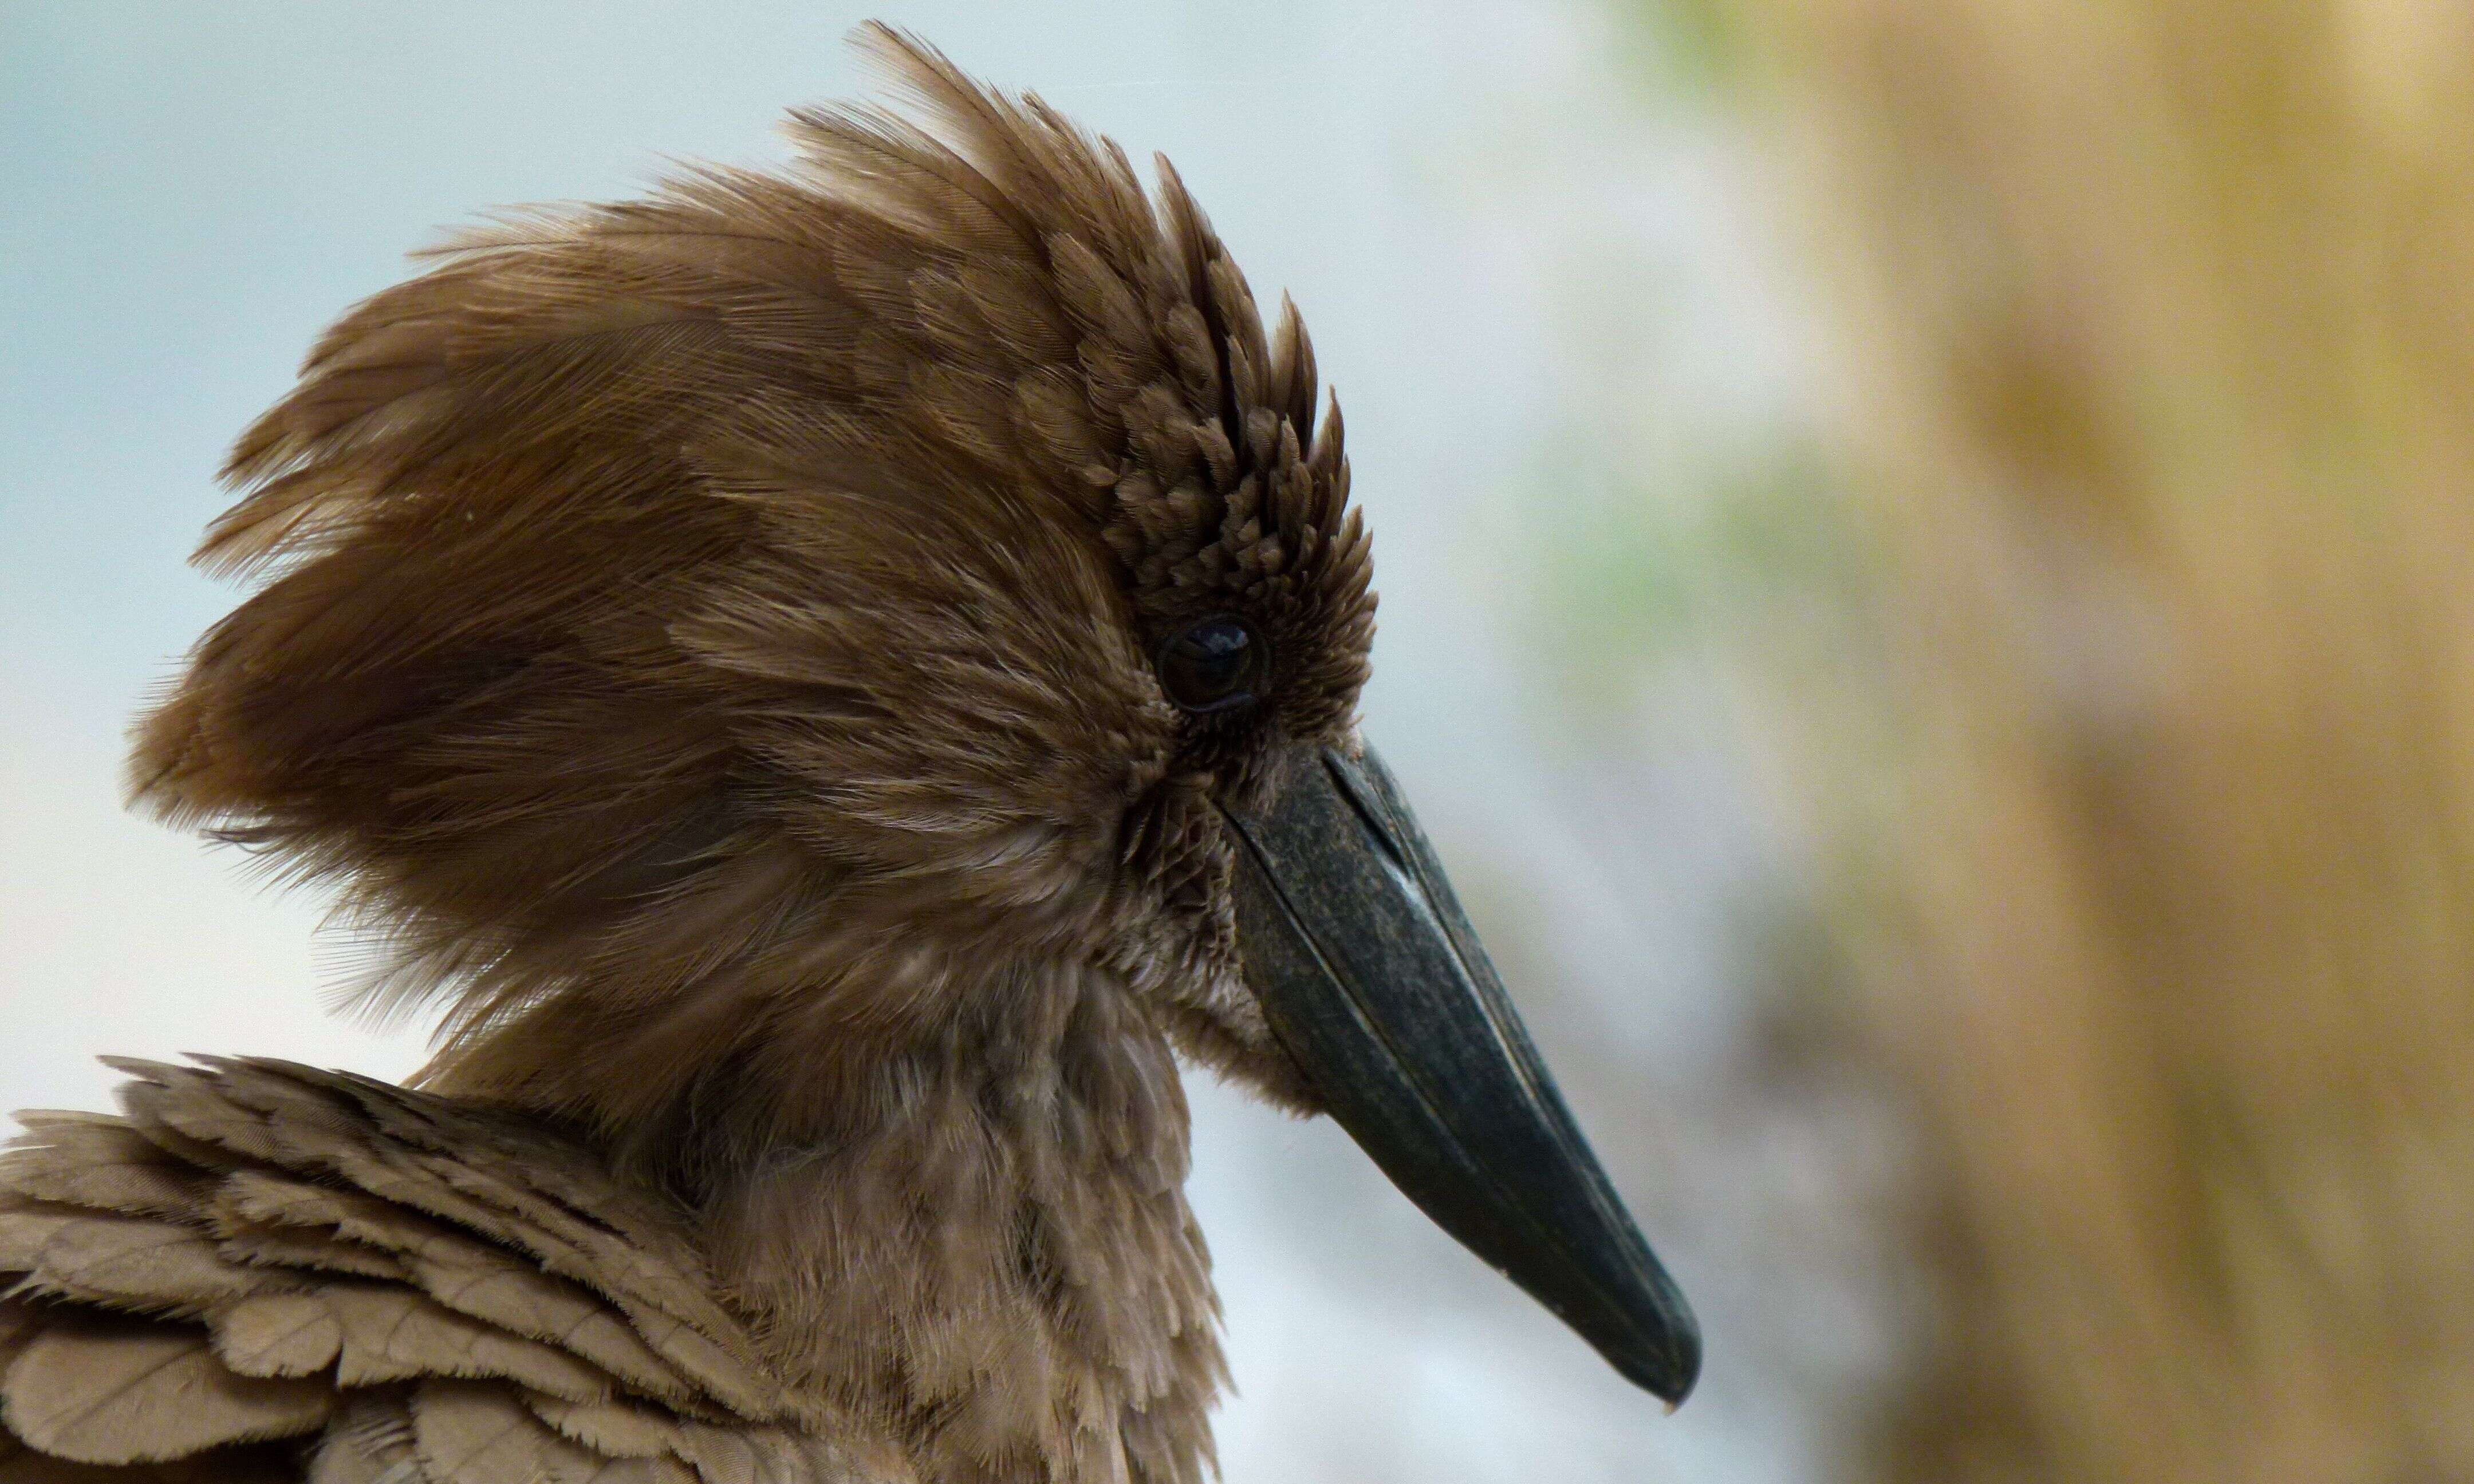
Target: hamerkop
<point>834,681</point>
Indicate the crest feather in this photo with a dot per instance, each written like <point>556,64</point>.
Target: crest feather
<point>656,589</point>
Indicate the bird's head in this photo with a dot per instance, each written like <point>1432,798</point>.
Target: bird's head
<point>770,613</point>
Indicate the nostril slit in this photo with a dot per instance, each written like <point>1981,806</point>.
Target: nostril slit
<point>1368,813</point>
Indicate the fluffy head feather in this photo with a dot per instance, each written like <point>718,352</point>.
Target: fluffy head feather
<point>693,627</point>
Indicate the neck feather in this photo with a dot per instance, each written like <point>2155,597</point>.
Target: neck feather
<point>972,1231</point>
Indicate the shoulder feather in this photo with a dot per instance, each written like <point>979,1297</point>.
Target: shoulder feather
<point>265,1267</point>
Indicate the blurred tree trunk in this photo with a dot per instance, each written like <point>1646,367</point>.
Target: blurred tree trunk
<point>2158,325</point>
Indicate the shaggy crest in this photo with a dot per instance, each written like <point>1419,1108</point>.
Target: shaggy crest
<point>673,595</point>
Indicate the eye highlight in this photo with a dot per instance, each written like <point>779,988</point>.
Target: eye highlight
<point>1214,665</point>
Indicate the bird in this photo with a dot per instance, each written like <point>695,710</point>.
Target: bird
<point>833,682</point>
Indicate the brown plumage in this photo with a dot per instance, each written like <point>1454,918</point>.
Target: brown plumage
<point>712,642</point>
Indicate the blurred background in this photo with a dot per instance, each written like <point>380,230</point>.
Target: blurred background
<point>1927,559</point>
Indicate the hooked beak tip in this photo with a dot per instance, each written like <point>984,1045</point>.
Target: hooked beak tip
<point>1670,1377</point>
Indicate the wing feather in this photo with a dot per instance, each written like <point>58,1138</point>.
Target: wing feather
<point>267,1271</point>
<point>501,1183</point>
<point>103,1390</point>
<point>143,1264</point>
<point>97,1162</point>
<point>278,1334</point>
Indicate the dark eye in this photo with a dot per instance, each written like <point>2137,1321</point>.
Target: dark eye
<point>1213,665</point>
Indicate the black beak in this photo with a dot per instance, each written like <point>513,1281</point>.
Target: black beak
<point>1372,981</point>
